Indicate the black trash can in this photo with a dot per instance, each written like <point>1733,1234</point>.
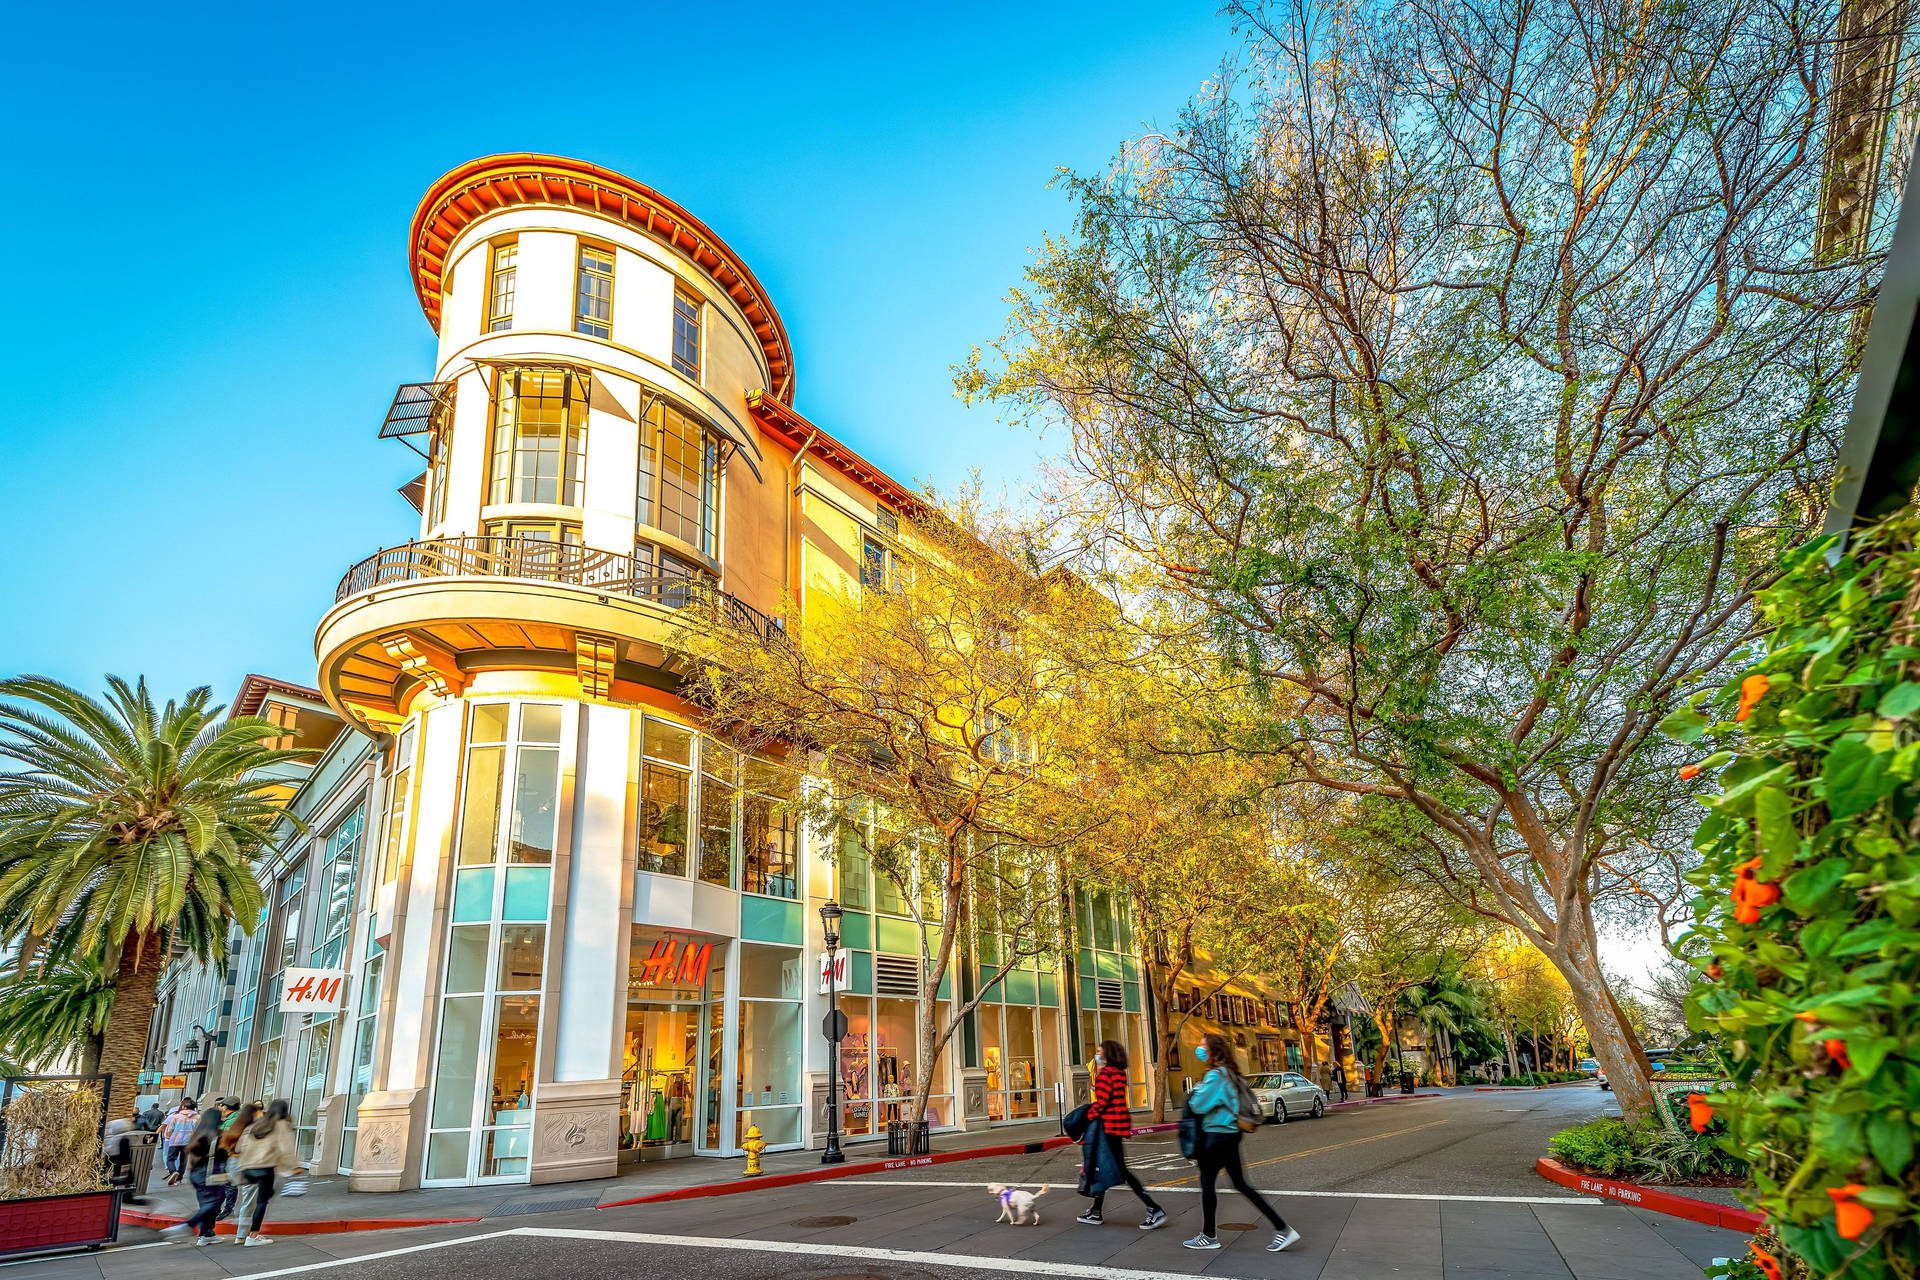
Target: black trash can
<point>907,1139</point>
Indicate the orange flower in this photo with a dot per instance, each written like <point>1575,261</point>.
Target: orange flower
<point>1849,1215</point>
<point>1752,689</point>
<point>1807,1016</point>
<point>1837,1050</point>
<point>1699,1114</point>
<point>1688,772</point>
<point>1714,971</point>
<point>1764,1260</point>
<point>1749,894</point>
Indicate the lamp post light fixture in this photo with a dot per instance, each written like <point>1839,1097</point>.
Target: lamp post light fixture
<point>835,1029</point>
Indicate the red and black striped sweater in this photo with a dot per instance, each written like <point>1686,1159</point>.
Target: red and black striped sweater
<point>1110,1102</point>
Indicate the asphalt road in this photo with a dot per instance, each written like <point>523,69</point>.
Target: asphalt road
<point>1425,1190</point>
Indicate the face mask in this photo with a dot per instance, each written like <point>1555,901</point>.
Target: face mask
<point>1200,1052</point>
<point>1098,1062</point>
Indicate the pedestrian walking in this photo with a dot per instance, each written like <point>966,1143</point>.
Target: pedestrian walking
<point>1109,1124</point>
<point>239,1119</point>
<point>174,1132</point>
<point>265,1148</point>
<point>1340,1079</point>
<point>206,1165</point>
<point>1226,1108</point>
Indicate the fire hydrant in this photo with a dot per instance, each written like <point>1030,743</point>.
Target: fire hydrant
<point>753,1146</point>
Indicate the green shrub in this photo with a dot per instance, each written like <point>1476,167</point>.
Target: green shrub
<point>1603,1146</point>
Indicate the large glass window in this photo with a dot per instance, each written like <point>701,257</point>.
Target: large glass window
<point>539,436</point>
<point>337,883</point>
<point>500,284</point>
<point>767,831</point>
<point>399,796</point>
<point>666,781</point>
<point>436,479</point>
<point>686,333</point>
<point>718,766</point>
<point>366,1025</point>
<point>481,1115</point>
<point>679,475</point>
<point>767,1090</point>
<point>593,300</point>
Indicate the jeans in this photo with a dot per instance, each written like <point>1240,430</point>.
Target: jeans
<point>210,1198</point>
<point>1220,1151</point>
<point>256,1188</point>
<point>177,1159</point>
<point>1120,1158</point>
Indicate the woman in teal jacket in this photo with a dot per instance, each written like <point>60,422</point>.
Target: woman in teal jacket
<point>1217,1104</point>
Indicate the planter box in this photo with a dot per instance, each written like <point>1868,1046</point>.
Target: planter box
<point>84,1221</point>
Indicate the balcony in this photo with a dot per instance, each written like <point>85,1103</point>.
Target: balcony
<point>431,615</point>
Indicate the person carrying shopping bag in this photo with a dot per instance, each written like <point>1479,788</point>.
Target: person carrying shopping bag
<point>265,1148</point>
<point>205,1162</point>
<point>1226,1108</point>
<point>1109,1123</point>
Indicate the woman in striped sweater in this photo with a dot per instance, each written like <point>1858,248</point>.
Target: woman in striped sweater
<point>1109,1107</point>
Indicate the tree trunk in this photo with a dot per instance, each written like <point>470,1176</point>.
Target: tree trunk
<point>136,991</point>
<point>1513,1059</point>
<point>1614,1045</point>
<point>1866,64</point>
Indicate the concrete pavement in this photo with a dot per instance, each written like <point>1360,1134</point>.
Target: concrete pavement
<point>1438,1190</point>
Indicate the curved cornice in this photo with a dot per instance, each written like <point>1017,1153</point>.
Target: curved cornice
<point>480,187</point>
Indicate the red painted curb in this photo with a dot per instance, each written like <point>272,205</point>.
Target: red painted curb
<point>315,1227</point>
<point>1704,1211</point>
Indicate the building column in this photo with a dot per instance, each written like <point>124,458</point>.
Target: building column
<point>576,1116</point>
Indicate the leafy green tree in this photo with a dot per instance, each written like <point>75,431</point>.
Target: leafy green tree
<point>56,1008</point>
<point>129,830</point>
<point>1464,366</point>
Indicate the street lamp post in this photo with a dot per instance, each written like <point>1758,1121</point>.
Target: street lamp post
<point>835,1029</point>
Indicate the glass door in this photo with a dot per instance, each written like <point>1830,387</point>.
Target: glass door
<point>658,1079</point>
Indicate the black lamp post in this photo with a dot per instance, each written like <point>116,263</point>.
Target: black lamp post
<point>836,1030</point>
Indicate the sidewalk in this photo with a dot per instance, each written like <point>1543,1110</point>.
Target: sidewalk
<point>329,1206</point>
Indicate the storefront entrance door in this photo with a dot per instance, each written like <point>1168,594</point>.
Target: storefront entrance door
<point>660,1087</point>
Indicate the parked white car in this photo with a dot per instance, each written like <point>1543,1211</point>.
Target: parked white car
<point>1288,1095</point>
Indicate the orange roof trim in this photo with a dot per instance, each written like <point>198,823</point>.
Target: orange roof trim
<point>795,432</point>
<point>255,688</point>
<point>464,194</point>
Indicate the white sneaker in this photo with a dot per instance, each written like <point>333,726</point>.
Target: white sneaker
<point>178,1231</point>
<point>1201,1242</point>
<point>201,1242</point>
<point>1283,1238</point>
<point>252,1242</point>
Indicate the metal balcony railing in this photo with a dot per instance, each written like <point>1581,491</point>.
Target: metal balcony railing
<point>538,560</point>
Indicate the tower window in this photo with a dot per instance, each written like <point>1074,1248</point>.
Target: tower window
<point>500,287</point>
<point>686,334</point>
<point>593,305</point>
<point>539,437</point>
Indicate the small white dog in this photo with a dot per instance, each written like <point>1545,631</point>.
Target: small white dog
<point>1017,1204</point>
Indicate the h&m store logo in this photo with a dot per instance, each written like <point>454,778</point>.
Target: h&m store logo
<point>673,963</point>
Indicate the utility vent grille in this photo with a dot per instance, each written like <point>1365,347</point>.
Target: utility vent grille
<point>896,976</point>
<point>1111,995</point>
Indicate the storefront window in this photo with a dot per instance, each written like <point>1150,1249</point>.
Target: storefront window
<point>717,772</point>
<point>665,796</point>
<point>896,1062</point>
<point>366,1024</point>
<point>856,1080</point>
<point>481,1115</point>
<point>767,1090</point>
<point>767,830</point>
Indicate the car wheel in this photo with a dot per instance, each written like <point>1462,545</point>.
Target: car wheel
<point>1319,1107</point>
<point>1279,1111</point>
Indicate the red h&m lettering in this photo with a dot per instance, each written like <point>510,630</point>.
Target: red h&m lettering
<point>693,970</point>
<point>301,989</point>
<point>658,966</point>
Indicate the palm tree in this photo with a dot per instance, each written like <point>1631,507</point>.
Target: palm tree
<point>56,1008</point>
<point>129,832</point>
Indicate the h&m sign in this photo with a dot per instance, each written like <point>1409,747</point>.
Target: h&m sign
<point>673,963</point>
<point>313,991</point>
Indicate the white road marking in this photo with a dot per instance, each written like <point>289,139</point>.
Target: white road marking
<point>1026,1266</point>
<point>118,1248</point>
<point>1271,1191</point>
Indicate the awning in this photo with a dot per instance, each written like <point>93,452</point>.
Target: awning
<point>415,492</point>
<point>417,407</point>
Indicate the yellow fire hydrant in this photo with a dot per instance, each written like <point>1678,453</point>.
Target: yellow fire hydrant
<point>753,1146</point>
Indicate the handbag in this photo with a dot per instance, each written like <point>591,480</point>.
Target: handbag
<point>1189,1131</point>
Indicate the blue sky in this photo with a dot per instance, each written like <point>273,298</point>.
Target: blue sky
<point>209,298</point>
